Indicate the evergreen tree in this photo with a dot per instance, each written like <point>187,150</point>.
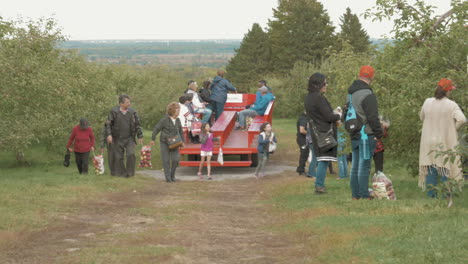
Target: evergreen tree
<point>301,30</point>
<point>252,59</point>
<point>352,32</point>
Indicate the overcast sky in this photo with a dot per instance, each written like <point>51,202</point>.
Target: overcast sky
<point>174,19</point>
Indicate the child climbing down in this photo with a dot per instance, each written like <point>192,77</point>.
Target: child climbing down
<point>266,145</point>
<point>206,149</point>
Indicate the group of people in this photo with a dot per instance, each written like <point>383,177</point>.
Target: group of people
<point>441,118</point>
<point>122,129</point>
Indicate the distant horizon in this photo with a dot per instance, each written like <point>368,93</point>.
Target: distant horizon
<point>175,39</point>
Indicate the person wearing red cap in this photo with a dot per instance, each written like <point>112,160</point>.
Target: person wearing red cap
<point>365,104</point>
<point>441,118</point>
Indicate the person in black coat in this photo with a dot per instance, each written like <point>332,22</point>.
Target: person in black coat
<point>321,115</point>
<point>301,127</point>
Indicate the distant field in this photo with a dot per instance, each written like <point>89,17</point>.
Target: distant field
<point>208,53</point>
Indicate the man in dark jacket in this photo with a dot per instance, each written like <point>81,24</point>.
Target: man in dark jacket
<point>365,104</point>
<point>219,90</point>
<point>122,127</point>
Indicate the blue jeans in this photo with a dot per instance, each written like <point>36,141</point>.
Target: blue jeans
<point>431,181</point>
<point>206,112</point>
<point>321,173</point>
<point>360,170</point>
<point>343,166</point>
<point>244,113</point>
<point>218,108</point>
<point>313,163</point>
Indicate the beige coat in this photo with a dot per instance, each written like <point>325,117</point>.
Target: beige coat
<point>441,120</point>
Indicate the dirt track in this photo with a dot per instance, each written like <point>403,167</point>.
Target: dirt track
<point>187,222</point>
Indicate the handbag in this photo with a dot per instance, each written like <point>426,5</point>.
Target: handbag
<point>272,145</point>
<point>66,159</point>
<point>174,142</point>
<point>325,140</point>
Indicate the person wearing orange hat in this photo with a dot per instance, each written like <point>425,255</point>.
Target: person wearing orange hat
<point>365,104</point>
<point>441,118</point>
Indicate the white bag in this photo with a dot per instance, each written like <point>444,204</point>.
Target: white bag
<point>272,147</point>
<point>383,187</point>
<point>98,163</point>
<point>309,159</point>
<point>220,156</point>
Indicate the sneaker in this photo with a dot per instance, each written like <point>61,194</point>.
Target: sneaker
<point>354,198</point>
<point>200,175</point>
<point>209,178</point>
<point>320,190</point>
<point>261,175</point>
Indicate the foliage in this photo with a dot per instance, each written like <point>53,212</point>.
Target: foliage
<point>45,90</point>
<point>341,68</point>
<point>453,188</point>
<point>407,72</point>
<point>252,59</point>
<point>299,31</point>
<point>353,33</point>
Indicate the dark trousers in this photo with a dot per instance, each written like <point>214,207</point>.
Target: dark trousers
<point>82,161</point>
<point>218,108</point>
<point>170,159</point>
<point>378,161</point>
<point>303,155</point>
<point>111,159</point>
<point>124,149</point>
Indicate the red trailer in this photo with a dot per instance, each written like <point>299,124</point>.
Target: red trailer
<point>239,147</point>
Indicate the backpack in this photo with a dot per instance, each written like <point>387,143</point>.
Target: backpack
<point>352,124</point>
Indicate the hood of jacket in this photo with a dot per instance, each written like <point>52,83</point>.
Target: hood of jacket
<point>358,85</point>
<point>217,79</point>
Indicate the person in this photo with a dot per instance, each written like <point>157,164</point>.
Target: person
<point>219,89</point>
<point>365,104</point>
<point>82,138</point>
<point>189,103</point>
<point>441,119</point>
<point>205,94</point>
<point>322,118</point>
<point>110,153</point>
<point>379,148</point>
<point>342,157</point>
<point>312,171</point>
<point>262,83</point>
<point>199,106</point>
<point>256,109</point>
<point>169,126</point>
<point>122,129</point>
<point>206,150</point>
<point>185,116</point>
<point>301,128</point>
<point>265,138</point>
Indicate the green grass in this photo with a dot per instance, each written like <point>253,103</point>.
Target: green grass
<point>413,229</point>
<point>32,196</point>
<point>332,228</point>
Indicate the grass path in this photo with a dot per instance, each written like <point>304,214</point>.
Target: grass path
<point>185,222</point>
